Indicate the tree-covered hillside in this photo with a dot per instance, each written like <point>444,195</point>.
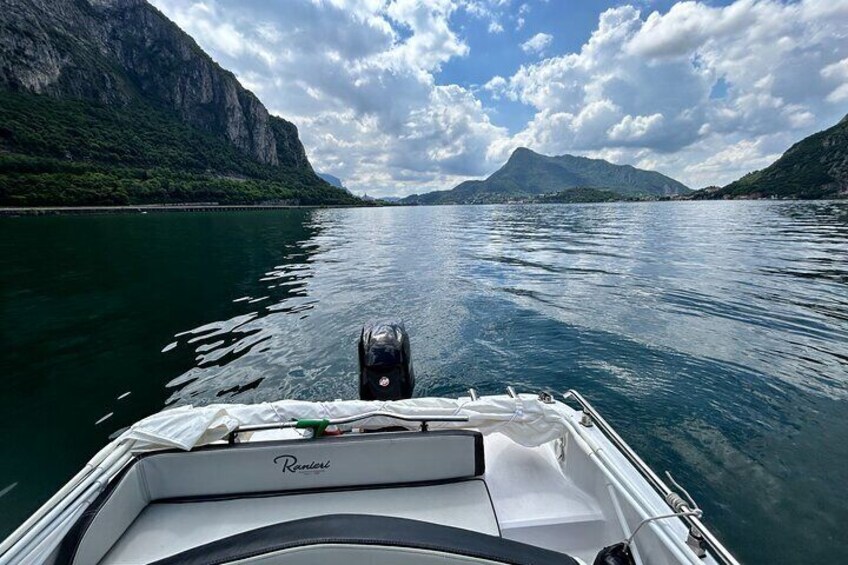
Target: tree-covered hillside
<point>73,152</point>
<point>109,102</point>
<point>579,196</point>
<point>815,167</point>
<point>527,174</point>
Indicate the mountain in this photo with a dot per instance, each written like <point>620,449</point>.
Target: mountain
<point>528,174</point>
<point>579,195</point>
<point>327,177</point>
<point>108,102</point>
<point>815,167</point>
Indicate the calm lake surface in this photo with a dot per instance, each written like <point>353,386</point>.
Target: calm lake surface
<point>713,335</point>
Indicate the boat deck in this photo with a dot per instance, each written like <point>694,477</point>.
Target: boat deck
<point>468,490</point>
<point>537,504</point>
<point>164,529</point>
<point>519,483</point>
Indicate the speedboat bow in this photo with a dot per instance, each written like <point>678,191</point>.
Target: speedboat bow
<point>512,478</point>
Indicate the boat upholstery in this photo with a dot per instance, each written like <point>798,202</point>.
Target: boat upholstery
<point>347,539</point>
<point>168,528</point>
<point>236,471</point>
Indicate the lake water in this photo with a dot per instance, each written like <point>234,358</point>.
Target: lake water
<point>713,335</point>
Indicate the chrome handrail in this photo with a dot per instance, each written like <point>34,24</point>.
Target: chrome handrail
<point>674,501</point>
<point>423,420</point>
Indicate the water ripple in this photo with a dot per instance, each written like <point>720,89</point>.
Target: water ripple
<point>762,286</point>
<point>713,335</point>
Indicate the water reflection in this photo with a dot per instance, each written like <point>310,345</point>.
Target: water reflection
<point>86,302</point>
<point>759,286</point>
<point>712,334</point>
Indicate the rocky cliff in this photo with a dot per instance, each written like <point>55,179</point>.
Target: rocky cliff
<point>118,52</point>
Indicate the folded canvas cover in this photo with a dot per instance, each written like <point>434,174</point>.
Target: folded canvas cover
<point>524,419</point>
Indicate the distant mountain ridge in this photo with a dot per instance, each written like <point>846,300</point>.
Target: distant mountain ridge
<point>529,174</point>
<point>121,58</point>
<point>816,167</point>
<point>331,179</point>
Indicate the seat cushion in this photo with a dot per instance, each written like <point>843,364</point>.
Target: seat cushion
<point>347,539</point>
<point>259,468</point>
<point>168,528</point>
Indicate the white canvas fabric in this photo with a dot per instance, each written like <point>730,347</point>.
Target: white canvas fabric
<point>524,419</point>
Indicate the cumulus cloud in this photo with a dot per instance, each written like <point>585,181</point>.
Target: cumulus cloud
<point>523,9</point>
<point>537,44</point>
<point>642,87</point>
<point>496,86</point>
<point>837,75</point>
<point>636,128</point>
<point>745,155</point>
<point>701,92</point>
<point>358,78</point>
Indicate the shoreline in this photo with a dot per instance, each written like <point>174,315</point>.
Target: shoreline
<point>144,208</point>
<point>8,211</point>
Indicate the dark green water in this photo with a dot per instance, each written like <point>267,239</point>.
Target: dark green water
<point>713,335</point>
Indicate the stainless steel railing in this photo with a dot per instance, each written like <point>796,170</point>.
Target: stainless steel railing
<point>697,529</point>
<point>423,420</point>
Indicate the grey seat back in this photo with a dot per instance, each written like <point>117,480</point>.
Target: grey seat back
<point>333,462</point>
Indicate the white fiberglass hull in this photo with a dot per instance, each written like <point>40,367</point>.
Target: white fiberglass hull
<point>512,467</point>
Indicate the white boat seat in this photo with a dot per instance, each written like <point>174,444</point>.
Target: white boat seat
<point>350,539</point>
<point>237,471</point>
<point>168,528</point>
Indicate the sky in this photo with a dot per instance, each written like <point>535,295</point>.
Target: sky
<point>406,96</point>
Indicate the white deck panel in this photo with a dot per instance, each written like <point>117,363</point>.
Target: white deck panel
<point>539,505</point>
<point>529,489</point>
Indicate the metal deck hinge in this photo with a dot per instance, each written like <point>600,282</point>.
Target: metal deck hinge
<point>695,540</point>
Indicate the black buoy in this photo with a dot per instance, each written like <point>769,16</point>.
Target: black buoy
<point>385,362</point>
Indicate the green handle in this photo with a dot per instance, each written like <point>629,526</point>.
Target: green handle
<point>317,426</point>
